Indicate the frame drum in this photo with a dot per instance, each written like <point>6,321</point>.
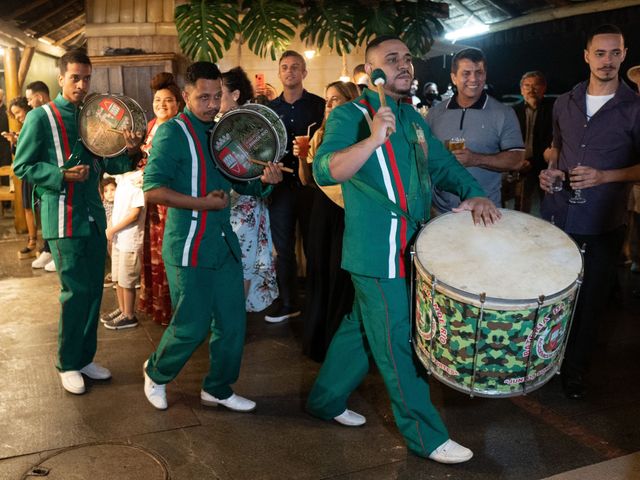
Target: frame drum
<point>493,305</point>
<point>250,132</point>
<point>101,121</point>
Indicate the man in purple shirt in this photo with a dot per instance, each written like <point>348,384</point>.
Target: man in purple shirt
<point>596,144</point>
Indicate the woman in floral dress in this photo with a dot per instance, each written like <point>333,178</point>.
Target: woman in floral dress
<point>250,215</point>
<point>154,296</point>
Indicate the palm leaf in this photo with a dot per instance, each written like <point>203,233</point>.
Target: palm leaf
<point>331,21</point>
<point>269,26</point>
<point>206,28</point>
<point>375,20</point>
<point>417,25</point>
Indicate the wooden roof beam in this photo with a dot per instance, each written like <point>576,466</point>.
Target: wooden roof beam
<point>26,9</point>
<point>66,24</point>
<point>66,38</point>
<point>18,37</point>
<point>562,12</point>
<point>48,15</point>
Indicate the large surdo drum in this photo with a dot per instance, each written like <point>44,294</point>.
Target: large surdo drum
<point>102,119</point>
<point>493,305</point>
<point>245,139</point>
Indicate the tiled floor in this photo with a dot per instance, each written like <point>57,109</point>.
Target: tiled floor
<point>532,437</point>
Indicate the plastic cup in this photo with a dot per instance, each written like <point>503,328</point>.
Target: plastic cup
<point>303,145</point>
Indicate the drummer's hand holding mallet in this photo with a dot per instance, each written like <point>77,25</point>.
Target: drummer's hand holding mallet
<point>272,173</point>
<point>132,140</point>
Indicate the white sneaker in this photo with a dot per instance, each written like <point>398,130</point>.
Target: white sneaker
<point>234,402</point>
<point>42,260</point>
<point>350,418</point>
<point>156,394</point>
<point>72,381</point>
<point>451,452</point>
<point>50,267</point>
<point>96,372</point>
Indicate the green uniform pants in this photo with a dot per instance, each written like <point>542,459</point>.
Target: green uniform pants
<point>204,300</point>
<point>80,265</point>
<point>379,326</point>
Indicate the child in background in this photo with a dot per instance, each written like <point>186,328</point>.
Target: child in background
<point>126,233</point>
<point>108,189</point>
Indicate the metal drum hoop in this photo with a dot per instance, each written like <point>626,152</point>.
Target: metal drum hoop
<point>92,97</point>
<point>243,110</point>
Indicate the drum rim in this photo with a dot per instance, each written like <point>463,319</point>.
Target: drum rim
<point>495,303</point>
<point>491,302</point>
<point>93,95</point>
<point>230,113</point>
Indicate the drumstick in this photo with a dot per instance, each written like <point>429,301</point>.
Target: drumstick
<point>379,79</point>
<point>260,162</point>
<point>115,130</point>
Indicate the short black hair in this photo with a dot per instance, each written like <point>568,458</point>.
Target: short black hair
<point>38,87</point>
<point>377,41</point>
<point>236,79</point>
<point>198,70</point>
<point>474,55</point>
<point>77,55</point>
<point>607,28</point>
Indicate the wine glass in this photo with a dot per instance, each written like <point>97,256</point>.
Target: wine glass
<point>557,174</point>
<point>576,197</point>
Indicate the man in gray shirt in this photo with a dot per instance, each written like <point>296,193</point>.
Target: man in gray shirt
<point>492,139</point>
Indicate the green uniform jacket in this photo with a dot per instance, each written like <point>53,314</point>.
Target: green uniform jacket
<point>181,160</point>
<point>376,238</point>
<point>47,140</point>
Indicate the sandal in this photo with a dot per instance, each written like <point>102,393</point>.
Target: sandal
<point>30,249</point>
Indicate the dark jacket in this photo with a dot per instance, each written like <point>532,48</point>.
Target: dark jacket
<point>542,130</point>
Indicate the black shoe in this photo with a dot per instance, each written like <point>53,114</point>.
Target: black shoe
<point>281,314</point>
<point>121,322</point>
<point>107,317</point>
<point>574,387</point>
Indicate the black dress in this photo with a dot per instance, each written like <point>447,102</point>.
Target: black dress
<point>329,288</point>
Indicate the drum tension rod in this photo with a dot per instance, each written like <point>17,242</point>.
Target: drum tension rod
<point>532,342</point>
<point>483,298</point>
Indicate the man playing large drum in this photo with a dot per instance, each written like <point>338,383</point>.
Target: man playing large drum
<point>387,161</point>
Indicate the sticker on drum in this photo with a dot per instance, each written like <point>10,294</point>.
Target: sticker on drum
<point>102,119</point>
<point>245,139</point>
<point>493,305</point>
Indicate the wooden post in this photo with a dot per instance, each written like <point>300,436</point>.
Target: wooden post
<point>13,91</point>
<point>25,63</point>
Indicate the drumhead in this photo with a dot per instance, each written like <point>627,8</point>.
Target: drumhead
<point>519,258</point>
<point>250,132</point>
<point>102,119</point>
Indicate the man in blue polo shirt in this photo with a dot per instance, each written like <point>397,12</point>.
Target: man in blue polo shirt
<point>492,139</point>
<point>290,200</point>
<point>596,138</point>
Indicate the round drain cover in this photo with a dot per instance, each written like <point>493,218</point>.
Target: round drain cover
<point>101,461</point>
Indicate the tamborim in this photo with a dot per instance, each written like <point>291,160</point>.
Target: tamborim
<point>102,119</point>
<point>494,304</point>
<point>245,139</point>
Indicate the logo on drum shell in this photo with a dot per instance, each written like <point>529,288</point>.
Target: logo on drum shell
<point>549,333</point>
<point>550,341</point>
<point>222,141</point>
<point>233,160</point>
